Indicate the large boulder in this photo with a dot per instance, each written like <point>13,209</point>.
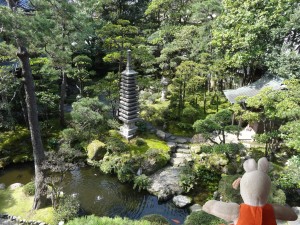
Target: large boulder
<point>96,150</point>
<point>15,186</point>
<point>165,183</point>
<point>181,200</point>
<point>154,160</point>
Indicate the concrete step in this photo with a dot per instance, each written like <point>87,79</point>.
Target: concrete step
<point>183,150</point>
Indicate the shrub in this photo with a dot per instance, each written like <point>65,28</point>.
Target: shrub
<point>93,220</point>
<point>29,189</point>
<point>141,182</point>
<point>142,126</point>
<point>125,172</point>
<point>202,217</point>
<point>140,142</point>
<point>115,145</point>
<point>110,163</point>
<point>67,209</point>
<point>188,178</point>
<point>289,179</point>
<point>154,159</point>
<point>226,191</point>
<point>156,219</point>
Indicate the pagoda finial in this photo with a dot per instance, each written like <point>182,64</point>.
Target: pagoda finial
<point>128,66</point>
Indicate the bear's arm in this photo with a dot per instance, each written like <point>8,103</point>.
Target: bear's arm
<point>223,210</point>
<point>284,213</point>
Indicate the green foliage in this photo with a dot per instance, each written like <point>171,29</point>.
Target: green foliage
<point>96,150</point>
<point>188,178</point>
<point>277,196</point>
<point>110,163</point>
<point>156,219</point>
<point>202,217</point>
<point>154,159</point>
<point>289,178</point>
<point>218,123</point>
<point>93,220</point>
<point>115,145</point>
<point>227,192</point>
<point>15,146</point>
<point>141,182</point>
<point>29,189</point>
<point>140,142</point>
<point>67,209</point>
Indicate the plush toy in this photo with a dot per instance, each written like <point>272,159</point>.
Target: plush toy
<point>255,186</point>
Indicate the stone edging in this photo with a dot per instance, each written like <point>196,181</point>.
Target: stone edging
<point>20,221</point>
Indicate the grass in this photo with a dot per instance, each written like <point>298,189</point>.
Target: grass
<point>15,202</point>
<point>151,142</point>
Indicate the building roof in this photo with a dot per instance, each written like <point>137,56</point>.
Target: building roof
<point>23,4</point>
<point>253,89</point>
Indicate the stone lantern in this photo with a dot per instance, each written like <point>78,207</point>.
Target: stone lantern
<point>128,106</point>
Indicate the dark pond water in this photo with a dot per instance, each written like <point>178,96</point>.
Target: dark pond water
<point>102,195</point>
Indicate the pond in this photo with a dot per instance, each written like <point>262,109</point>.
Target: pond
<point>103,195</point>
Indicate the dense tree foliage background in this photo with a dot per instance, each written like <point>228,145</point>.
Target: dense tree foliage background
<point>60,65</point>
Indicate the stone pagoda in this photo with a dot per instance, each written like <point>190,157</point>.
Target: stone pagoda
<point>128,107</point>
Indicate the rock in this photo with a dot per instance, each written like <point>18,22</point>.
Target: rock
<point>195,208</point>
<point>181,140</point>
<point>181,200</point>
<point>176,162</point>
<point>2,186</point>
<point>297,210</point>
<point>161,134</point>
<point>165,183</point>
<point>195,149</point>
<point>185,146</point>
<point>96,150</point>
<point>15,185</point>
<point>198,138</point>
<point>172,146</point>
<point>183,151</point>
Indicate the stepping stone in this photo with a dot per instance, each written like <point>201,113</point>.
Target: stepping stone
<point>181,140</point>
<point>182,155</point>
<point>195,208</point>
<point>176,162</point>
<point>183,150</point>
<point>183,146</point>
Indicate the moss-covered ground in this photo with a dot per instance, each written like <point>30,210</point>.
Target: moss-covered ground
<point>15,202</point>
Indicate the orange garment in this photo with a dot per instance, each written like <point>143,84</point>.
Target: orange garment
<point>256,215</point>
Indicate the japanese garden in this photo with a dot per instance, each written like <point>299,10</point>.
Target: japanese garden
<point>137,112</point>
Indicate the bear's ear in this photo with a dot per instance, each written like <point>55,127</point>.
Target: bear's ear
<point>263,165</point>
<point>250,165</point>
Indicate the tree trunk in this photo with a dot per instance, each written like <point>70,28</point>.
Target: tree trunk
<point>62,98</point>
<point>36,140</point>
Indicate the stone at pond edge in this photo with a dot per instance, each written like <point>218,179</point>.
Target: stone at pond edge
<point>181,200</point>
<point>2,186</point>
<point>195,208</point>
<point>15,185</point>
<point>165,183</point>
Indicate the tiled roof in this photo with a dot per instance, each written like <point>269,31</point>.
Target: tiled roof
<point>23,4</point>
<point>253,89</point>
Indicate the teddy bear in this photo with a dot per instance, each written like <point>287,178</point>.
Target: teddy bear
<point>255,187</point>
